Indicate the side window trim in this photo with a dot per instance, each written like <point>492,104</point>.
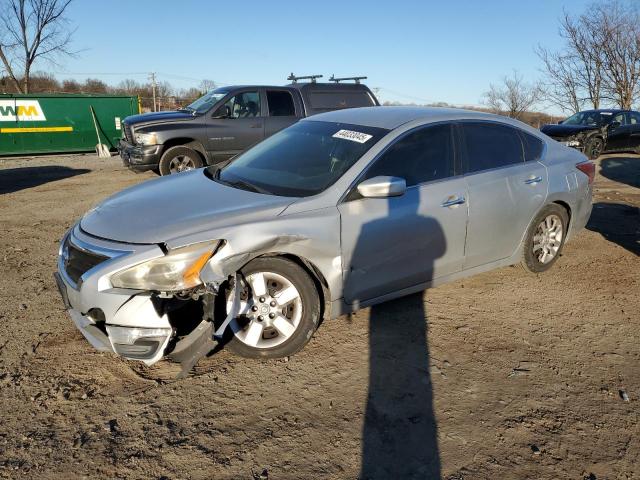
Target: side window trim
<point>465,162</point>
<point>454,153</point>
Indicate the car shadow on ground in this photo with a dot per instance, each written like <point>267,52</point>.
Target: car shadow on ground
<point>618,223</point>
<point>622,169</point>
<point>15,179</point>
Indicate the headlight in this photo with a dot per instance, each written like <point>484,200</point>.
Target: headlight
<point>572,143</point>
<point>145,138</point>
<point>178,270</point>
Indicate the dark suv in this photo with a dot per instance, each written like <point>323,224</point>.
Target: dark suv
<point>598,131</point>
<point>227,121</point>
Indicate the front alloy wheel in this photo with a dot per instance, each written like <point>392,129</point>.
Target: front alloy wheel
<point>179,159</point>
<point>279,309</point>
<point>594,149</point>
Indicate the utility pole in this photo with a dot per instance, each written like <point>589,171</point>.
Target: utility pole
<point>152,77</point>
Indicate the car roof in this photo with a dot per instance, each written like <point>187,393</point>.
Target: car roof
<point>604,110</point>
<point>393,117</point>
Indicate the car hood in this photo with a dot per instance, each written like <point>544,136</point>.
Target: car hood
<point>176,206</point>
<point>158,117</point>
<point>565,130</point>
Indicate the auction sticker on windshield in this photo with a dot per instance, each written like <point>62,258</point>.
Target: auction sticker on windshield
<point>351,135</point>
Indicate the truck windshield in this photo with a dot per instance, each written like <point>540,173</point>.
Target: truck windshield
<point>205,102</point>
<point>302,160</point>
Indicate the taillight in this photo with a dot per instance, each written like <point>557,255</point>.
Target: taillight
<point>589,169</point>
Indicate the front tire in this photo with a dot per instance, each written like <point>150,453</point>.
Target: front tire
<point>179,159</point>
<point>279,312</point>
<point>545,238</point>
<point>594,148</point>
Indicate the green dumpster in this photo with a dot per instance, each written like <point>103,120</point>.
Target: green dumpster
<point>58,123</point>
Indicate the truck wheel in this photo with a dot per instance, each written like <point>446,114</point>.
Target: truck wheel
<point>179,159</point>
<point>545,238</point>
<point>279,310</point>
<point>594,148</point>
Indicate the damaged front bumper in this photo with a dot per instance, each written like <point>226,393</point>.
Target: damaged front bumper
<point>126,322</point>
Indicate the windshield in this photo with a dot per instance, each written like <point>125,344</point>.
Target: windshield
<point>301,160</point>
<point>205,102</point>
<point>590,118</point>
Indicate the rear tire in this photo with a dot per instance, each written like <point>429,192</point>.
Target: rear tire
<point>543,243</point>
<point>280,310</point>
<point>179,159</point>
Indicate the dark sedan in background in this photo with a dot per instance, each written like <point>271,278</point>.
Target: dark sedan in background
<point>595,132</point>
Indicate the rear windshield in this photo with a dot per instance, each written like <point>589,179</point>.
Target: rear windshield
<point>334,100</point>
<point>301,160</point>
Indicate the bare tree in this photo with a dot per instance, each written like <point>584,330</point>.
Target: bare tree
<point>31,30</point>
<point>600,61</point>
<point>561,87</point>
<point>513,96</point>
<point>586,51</point>
<point>617,29</point>
<point>207,85</point>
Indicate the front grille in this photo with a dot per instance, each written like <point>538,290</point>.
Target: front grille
<point>78,261</point>
<point>128,135</point>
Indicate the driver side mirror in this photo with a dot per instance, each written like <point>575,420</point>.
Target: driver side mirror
<point>382,187</point>
<point>223,112</point>
<point>614,125</point>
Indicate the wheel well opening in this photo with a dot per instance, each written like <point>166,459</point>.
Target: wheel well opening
<point>566,207</point>
<point>185,142</point>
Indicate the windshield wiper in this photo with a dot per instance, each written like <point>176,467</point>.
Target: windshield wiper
<point>247,186</point>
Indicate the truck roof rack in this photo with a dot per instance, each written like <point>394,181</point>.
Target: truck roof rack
<point>295,79</point>
<point>344,79</point>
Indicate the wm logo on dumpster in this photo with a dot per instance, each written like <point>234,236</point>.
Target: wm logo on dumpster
<point>22,110</point>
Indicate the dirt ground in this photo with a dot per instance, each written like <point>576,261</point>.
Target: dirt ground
<point>503,375</point>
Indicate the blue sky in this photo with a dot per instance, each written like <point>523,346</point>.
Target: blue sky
<point>413,51</point>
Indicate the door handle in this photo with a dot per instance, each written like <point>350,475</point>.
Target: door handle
<point>533,180</point>
<point>256,125</point>
<point>453,201</point>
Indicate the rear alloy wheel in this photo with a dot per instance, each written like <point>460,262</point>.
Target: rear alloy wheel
<point>545,239</point>
<point>594,148</point>
<point>179,159</point>
<point>279,309</point>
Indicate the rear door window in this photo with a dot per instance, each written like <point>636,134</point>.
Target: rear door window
<point>490,145</point>
<point>533,147</point>
<point>280,103</point>
<point>421,156</point>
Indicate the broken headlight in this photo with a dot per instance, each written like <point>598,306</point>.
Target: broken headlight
<point>177,270</point>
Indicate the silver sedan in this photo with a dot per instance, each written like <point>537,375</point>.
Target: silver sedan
<point>340,211</point>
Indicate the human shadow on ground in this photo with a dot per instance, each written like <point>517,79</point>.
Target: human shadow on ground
<point>399,438</point>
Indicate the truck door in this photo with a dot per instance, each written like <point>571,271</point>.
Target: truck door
<point>282,110</point>
<point>236,125</point>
